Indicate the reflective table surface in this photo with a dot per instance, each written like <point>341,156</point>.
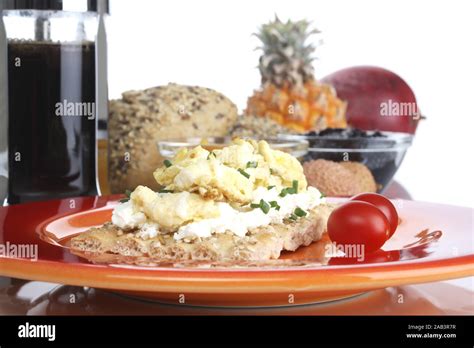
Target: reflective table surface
<point>20,297</point>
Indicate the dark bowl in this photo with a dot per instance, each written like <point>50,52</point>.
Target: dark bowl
<point>382,154</point>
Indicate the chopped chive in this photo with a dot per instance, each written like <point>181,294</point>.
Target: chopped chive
<point>300,212</point>
<point>272,171</point>
<point>290,190</point>
<point>167,163</point>
<point>274,204</point>
<point>252,164</point>
<point>165,191</point>
<point>287,191</point>
<point>322,195</point>
<point>264,206</point>
<point>211,154</point>
<point>127,193</point>
<point>244,173</point>
<point>270,187</point>
<point>295,186</point>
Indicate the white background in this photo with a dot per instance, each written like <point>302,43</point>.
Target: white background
<point>209,43</point>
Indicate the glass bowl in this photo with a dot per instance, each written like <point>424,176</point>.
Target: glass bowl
<point>382,155</point>
<point>168,148</point>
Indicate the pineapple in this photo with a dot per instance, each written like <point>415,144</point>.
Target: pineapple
<point>290,94</point>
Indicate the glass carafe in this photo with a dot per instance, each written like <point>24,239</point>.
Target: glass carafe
<point>48,130</point>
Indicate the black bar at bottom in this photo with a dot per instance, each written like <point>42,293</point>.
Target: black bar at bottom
<point>418,330</point>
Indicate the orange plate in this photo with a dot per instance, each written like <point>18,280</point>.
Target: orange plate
<point>433,242</point>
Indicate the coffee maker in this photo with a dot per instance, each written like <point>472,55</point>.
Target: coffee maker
<point>53,88</point>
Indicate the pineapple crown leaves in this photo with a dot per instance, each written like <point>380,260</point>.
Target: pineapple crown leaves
<point>287,57</point>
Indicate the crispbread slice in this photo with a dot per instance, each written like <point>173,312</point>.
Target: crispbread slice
<point>263,243</point>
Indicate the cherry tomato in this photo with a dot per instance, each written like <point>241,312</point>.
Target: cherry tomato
<point>384,205</point>
<point>357,223</point>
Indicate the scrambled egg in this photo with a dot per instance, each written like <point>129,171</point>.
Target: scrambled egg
<point>172,210</point>
<point>197,180</point>
<point>231,174</point>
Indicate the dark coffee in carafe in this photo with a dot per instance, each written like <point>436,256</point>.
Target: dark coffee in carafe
<point>52,120</point>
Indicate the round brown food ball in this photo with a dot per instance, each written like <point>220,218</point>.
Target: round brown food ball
<point>339,179</point>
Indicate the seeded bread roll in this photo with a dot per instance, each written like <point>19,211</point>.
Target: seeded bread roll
<point>141,118</point>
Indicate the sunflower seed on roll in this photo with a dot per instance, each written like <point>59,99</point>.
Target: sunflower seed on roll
<point>141,118</point>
